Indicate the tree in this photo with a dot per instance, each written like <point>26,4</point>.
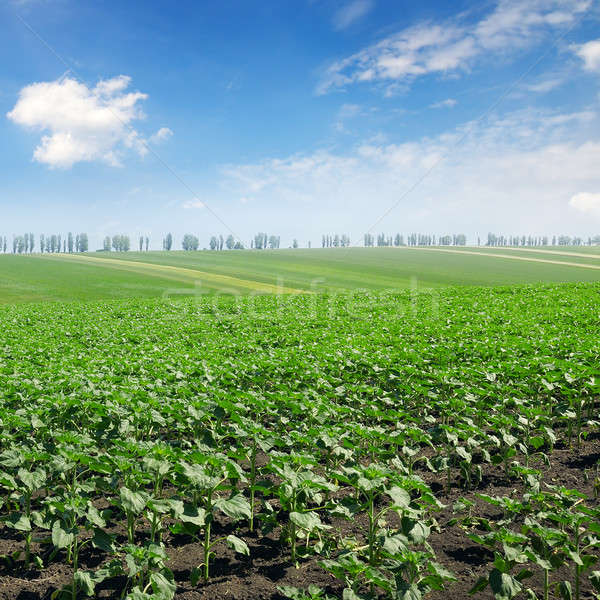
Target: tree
<point>141,243</point>
<point>106,244</point>
<point>260,241</point>
<point>147,243</point>
<point>83,242</point>
<point>168,242</point>
<point>214,243</point>
<point>42,243</point>
<point>230,242</point>
<point>295,243</point>
<point>70,242</point>
<point>190,242</point>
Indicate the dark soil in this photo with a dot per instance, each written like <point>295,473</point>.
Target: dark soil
<point>257,577</point>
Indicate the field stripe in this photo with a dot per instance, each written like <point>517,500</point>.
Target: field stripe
<point>560,252</point>
<point>178,273</point>
<point>509,256</point>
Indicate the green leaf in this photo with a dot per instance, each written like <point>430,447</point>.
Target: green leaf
<point>481,584</point>
<point>195,576</point>
<point>504,586</point>
<point>61,538</point>
<point>160,506</point>
<point>595,580</point>
<point>291,592</point>
<point>85,582</point>
<point>198,477</point>
<point>349,594</point>
<point>238,545</point>
<point>137,594</point>
<point>564,590</point>
<point>163,588</point>
<point>395,544</point>
<point>307,521</point>
<point>236,508</point>
<point>94,517</point>
<point>407,591</point>
<point>194,516</point>
<point>133,502</point>
<point>440,571</point>
<point>18,521</point>
<point>400,497</point>
<point>103,541</point>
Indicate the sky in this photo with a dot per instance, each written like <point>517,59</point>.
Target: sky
<point>299,118</point>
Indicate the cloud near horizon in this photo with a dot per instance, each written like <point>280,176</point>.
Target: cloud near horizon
<point>192,204</point>
<point>588,204</point>
<point>81,124</point>
<point>530,163</point>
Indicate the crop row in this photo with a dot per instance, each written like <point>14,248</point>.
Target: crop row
<point>128,426</point>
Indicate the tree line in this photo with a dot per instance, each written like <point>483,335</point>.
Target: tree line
<point>530,240</point>
<point>69,243</point>
<point>414,239</point>
<point>50,244</point>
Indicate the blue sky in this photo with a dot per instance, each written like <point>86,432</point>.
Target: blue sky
<point>300,117</point>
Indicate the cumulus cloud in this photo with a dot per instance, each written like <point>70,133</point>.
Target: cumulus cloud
<point>163,134</point>
<point>191,204</point>
<point>452,46</point>
<point>590,54</point>
<point>515,173</point>
<point>588,204</point>
<point>350,13</point>
<point>81,124</point>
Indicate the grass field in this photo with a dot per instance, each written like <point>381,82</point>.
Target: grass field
<point>155,274</point>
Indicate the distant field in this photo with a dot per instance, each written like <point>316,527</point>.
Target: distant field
<point>99,276</point>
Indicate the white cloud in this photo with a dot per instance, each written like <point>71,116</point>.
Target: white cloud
<point>163,134</point>
<point>82,123</point>
<point>590,54</point>
<point>545,85</point>
<point>588,204</point>
<point>449,103</point>
<point>191,204</point>
<point>452,46</point>
<point>515,173</point>
<point>351,12</point>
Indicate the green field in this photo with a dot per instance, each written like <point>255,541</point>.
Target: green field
<point>245,424</point>
<point>207,448</point>
<point>99,276</point>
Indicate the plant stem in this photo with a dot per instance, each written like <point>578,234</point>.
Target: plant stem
<point>206,549</point>
<point>75,564</point>
<point>371,529</point>
<point>252,482</point>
